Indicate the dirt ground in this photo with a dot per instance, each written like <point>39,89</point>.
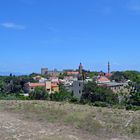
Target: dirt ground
<point>12,127</point>
<point>18,126</point>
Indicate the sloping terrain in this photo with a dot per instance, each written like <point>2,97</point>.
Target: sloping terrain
<point>43,120</point>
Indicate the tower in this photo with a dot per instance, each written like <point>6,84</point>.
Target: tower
<point>44,71</point>
<point>108,67</point>
<point>80,68</point>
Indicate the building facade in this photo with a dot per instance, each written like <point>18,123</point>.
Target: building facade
<point>44,71</point>
<point>49,86</point>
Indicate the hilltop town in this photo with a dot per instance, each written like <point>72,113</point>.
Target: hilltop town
<point>74,80</point>
<point>78,85</point>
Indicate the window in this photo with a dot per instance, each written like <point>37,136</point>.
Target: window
<point>48,90</point>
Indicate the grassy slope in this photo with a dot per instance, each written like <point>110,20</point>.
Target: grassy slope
<point>97,121</point>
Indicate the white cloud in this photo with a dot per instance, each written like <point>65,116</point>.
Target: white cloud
<point>10,25</point>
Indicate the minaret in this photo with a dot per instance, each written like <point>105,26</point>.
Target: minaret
<point>108,67</point>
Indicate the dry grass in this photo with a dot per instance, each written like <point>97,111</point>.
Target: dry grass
<point>92,120</point>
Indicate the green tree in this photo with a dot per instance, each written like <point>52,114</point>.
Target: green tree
<point>62,75</point>
<point>63,95</point>
<point>134,76</point>
<point>1,86</point>
<point>92,74</point>
<point>94,93</point>
<point>118,76</point>
<point>134,99</point>
<point>39,94</point>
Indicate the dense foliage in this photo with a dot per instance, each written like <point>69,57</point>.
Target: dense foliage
<point>63,95</point>
<point>94,93</point>
<point>12,87</point>
<point>14,84</point>
<point>39,93</point>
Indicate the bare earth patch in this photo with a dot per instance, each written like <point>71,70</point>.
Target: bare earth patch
<point>13,128</point>
<point>35,120</point>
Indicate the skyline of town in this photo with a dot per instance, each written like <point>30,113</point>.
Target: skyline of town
<point>107,67</point>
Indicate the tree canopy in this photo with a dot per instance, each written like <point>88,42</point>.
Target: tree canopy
<point>93,93</point>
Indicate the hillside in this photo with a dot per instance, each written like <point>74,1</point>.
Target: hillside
<point>43,120</point>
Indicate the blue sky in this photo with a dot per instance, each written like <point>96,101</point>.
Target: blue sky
<point>62,33</point>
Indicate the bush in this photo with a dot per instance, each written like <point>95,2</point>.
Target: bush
<point>131,107</point>
<point>39,94</point>
<point>74,100</point>
<point>62,96</point>
<point>101,104</point>
<point>8,97</point>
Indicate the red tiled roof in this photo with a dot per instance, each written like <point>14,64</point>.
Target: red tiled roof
<point>54,85</point>
<point>72,72</point>
<point>103,79</point>
<point>37,84</point>
<point>41,85</point>
<point>108,74</point>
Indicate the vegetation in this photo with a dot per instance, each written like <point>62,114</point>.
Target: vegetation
<point>135,99</point>
<point>106,123</point>
<point>62,75</point>
<point>63,95</point>
<point>133,76</point>
<point>93,93</point>
<point>14,84</point>
<point>39,93</point>
<point>92,74</point>
<point>12,87</point>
